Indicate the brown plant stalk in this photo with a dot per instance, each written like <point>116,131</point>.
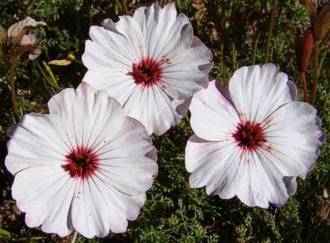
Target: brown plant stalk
<point>304,85</point>
<point>11,80</point>
<point>315,72</point>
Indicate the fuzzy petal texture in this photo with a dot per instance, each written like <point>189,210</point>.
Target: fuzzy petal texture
<point>253,141</point>
<point>181,63</point>
<point>85,166</point>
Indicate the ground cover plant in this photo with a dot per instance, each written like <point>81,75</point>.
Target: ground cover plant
<point>239,33</point>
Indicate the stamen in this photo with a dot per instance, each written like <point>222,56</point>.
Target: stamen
<point>146,72</point>
<point>249,136</point>
<point>81,162</point>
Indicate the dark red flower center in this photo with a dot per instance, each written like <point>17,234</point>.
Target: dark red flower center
<point>81,163</point>
<point>146,72</point>
<point>249,135</point>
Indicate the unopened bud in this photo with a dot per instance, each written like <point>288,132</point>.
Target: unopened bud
<point>320,19</point>
<point>303,47</point>
<point>322,22</point>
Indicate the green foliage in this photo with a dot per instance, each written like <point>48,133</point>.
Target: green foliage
<point>236,31</point>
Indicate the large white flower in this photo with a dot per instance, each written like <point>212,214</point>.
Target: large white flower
<point>254,140</point>
<point>151,63</point>
<point>85,166</point>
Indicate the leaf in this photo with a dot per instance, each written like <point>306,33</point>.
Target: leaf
<point>61,62</point>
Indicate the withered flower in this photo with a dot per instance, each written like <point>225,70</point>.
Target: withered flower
<point>303,47</point>
<point>17,40</point>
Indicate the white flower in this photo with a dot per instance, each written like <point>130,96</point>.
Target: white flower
<point>85,166</point>
<point>151,63</point>
<point>254,140</point>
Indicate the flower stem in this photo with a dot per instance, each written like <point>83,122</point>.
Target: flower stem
<point>254,54</point>
<point>11,80</point>
<point>74,237</point>
<point>270,29</point>
<point>125,8</point>
<point>316,72</point>
<point>304,84</point>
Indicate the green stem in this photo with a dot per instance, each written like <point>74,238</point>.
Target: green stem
<point>270,29</point>
<point>254,54</point>
<point>316,72</point>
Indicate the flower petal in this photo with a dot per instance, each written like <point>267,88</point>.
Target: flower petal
<point>257,91</point>
<point>214,164</point>
<point>128,160</point>
<point>153,108</point>
<point>186,72</point>
<point>213,116</point>
<point>45,194</point>
<point>294,136</point>
<point>261,183</point>
<point>163,30</point>
<point>38,140</point>
<point>89,114</point>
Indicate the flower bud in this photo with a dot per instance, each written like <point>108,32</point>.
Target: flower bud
<point>303,47</point>
<point>322,22</point>
<point>320,19</point>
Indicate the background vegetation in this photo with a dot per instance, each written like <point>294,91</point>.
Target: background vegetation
<point>237,32</point>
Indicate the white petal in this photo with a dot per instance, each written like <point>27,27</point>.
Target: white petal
<point>181,108</point>
<point>261,183</point>
<point>257,91</point>
<point>163,31</point>
<point>294,136</point>
<point>96,57</point>
<point>186,72</point>
<point>89,114</point>
<point>214,164</point>
<point>291,184</point>
<point>118,47</point>
<point>128,162</point>
<point>153,108</point>
<point>88,212</point>
<point>37,140</point>
<point>213,116</point>
<point>119,86</point>
<point>45,194</point>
